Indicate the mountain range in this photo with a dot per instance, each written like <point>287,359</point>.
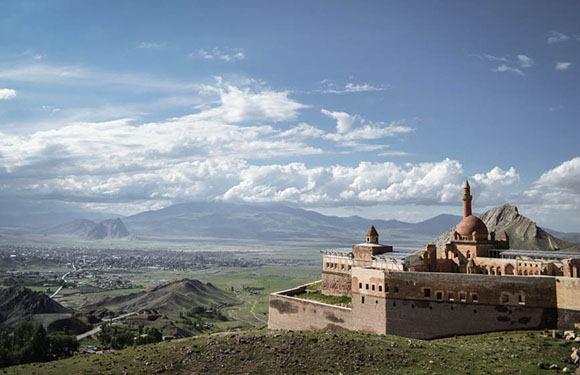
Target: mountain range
<point>219,221</point>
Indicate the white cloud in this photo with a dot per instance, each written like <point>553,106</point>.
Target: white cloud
<point>231,54</point>
<point>303,130</point>
<point>486,56</point>
<point>565,177</point>
<point>525,61</point>
<point>555,196</point>
<point>563,65</point>
<point>368,183</point>
<point>346,131</point>
<point>148,45</point>
<point>497,177</point>
<point>333,88</point>
<point>506,68</point>
<point>344,121</point>
<point>394,153</point>
<point>6,94</point>
<point>556,37</point>
<point>242,105</point>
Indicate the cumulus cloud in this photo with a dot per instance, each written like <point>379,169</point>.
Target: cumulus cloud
<point>242,105</point>
<point>557,37</point>
<point>556,194</point>
<point>231,54</point>
<point>565,177</point>
<point>563,65</point>
<point>6,94</point>
<point>497,177</point>
<point>368,183</point>
<point>347,131</point>
<point>344,121</point>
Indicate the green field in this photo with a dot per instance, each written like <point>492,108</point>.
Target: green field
<point>272,352</point>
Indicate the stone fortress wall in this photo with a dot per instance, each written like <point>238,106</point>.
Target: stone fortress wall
<point>295,314</point>
<point>457,304</point>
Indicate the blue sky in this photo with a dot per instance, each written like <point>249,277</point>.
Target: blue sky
<point>372,108</point>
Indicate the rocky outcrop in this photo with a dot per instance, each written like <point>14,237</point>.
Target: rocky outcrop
<point>113,228</point>
<point>523,232</point>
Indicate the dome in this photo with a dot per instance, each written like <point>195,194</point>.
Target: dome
<point>471,224</point>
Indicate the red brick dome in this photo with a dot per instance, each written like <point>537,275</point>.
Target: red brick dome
<point>471,224</point>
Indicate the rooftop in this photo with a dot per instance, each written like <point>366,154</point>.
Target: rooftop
<point>538,254</point>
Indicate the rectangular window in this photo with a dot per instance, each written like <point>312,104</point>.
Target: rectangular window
<point>396,289</point>
<point>521,299</point>
<point>427,292</point>
<point>367,286</point>
<point>439,296</point>
<point>360,285</point>
<point>373,287</point>
<point>474,298</point>
<point>451,296</point>
<point>380,288</point>
<point>462,297</point>
<point>362,300</point>
<point>387,288</point>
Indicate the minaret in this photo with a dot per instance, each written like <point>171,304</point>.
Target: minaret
<point>466,199</point>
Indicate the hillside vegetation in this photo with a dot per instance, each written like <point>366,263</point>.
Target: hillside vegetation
<point>271,352</point>
<point>168,298</point>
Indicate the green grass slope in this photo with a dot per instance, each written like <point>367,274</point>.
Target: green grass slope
<point>271,352</point>
<point>170,298</point>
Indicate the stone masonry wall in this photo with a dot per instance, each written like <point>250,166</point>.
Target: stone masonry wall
<point>287,312</point>
<point>336,283</point>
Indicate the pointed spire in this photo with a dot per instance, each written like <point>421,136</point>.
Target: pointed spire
<point>372,235</point>
<point>466,199</point>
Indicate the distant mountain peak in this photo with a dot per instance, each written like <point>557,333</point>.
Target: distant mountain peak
<point>112,228</point>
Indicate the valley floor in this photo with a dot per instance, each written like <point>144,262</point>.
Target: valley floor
<point>273,352</point>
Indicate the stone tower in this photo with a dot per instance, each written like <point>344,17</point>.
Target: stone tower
<point>372,235</point>
<point>466,199</point>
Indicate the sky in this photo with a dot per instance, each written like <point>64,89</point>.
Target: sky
<point>377,108</point>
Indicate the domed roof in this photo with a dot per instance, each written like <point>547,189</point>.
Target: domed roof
<point>471,224</point>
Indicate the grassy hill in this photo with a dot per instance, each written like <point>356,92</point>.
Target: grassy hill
<point>271,352</point>
<point>169,298</point>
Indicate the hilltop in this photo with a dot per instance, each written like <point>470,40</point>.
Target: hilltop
<point>272,352</point>
<point>169,298</point>
<point>523,232</point>
<point>18,303</point>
